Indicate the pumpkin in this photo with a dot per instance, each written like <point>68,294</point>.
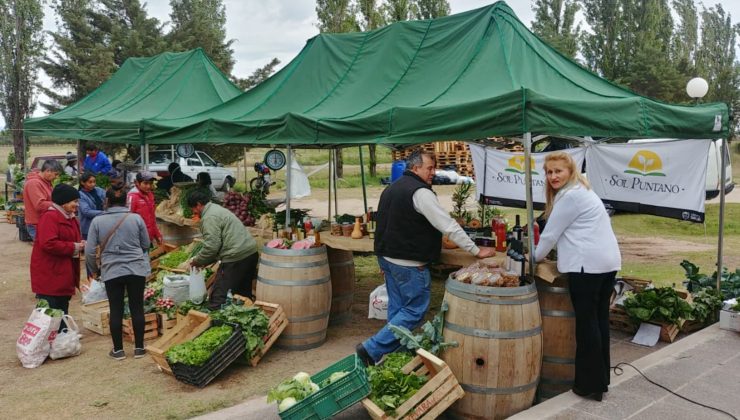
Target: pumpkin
<point>447,243</point>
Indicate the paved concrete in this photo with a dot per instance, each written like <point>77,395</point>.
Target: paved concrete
<point>704,366</point>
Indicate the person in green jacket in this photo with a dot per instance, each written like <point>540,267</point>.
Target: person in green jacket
<point>224,238</point>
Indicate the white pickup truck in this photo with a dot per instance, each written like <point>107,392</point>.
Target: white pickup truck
<point>222,178</point>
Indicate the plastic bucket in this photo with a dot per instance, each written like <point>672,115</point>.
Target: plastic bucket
<point>397,169</point>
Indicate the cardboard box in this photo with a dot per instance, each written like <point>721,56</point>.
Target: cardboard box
<point>729,320</point>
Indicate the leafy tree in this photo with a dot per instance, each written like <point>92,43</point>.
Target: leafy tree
<point>258,76</point>
<point>21,48</point>
<point>554,23</point>
<point>432,9</point>
<point>202,23</point>
<point>716,59</point>
<point>370,15</point>
<point>336,16</point>
<point>399,10</point>
<point>685,37</point>
<point>601,48</point>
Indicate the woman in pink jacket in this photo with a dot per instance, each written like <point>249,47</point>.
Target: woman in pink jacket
<point>141,202</point>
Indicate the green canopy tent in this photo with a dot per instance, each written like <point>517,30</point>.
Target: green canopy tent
<point>168,85</point>
<point>465,76</point>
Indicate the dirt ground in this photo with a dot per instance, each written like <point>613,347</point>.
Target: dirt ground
<point>92,386</point>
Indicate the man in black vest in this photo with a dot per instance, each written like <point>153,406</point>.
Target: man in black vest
<point>408,236</point>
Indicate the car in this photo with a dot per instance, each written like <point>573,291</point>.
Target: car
<point>222,178</point>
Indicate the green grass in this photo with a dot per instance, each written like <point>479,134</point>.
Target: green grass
<point>350,155</point>
<point>646,225</point>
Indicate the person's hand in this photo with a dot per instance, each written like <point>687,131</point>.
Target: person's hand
<point>485,252</point>
<point>193,264</point>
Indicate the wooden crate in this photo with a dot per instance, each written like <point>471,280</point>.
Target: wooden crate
<point>620,321</point>
<point>159,252</point>
<point>150,328</point>
<point>429,402</point>
<point>96,317</point>
<point>164,324</point>
<point>668,332</point>
<point>278,322</point>
<point>692,326</point>
<point>190,327</point>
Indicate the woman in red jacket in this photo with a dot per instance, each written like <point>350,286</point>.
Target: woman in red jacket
<point>55,259</point>
<point>141,202</point>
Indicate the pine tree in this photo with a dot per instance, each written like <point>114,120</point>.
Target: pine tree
<point>132,32</point>
<point>202,23</point>
<point>80,59</point>
<point>554,21</point>
<point>258,76</point>
<point>21,48</point>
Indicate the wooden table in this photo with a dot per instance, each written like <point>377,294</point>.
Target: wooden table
<point>448,256</point>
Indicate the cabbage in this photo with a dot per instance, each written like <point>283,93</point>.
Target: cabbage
<point>286,404</point>
<point>302,377</point>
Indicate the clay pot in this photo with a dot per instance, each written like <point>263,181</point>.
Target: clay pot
<point>347,229</point>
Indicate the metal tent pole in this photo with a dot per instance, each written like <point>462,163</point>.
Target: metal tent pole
<point>720,236</point>
<point>528,188</point>
<point>287,188</point>
<point>328,190</point>
<point>336,203</point>
<point>362,175</point>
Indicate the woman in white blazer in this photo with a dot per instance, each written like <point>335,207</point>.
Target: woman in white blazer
<point>588,252</point>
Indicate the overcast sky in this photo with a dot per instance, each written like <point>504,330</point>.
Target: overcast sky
<point>279,28</point>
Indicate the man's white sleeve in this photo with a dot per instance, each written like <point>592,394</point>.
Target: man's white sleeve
<point>426,203</point>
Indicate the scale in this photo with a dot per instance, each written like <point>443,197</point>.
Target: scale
<point>185,150</point>
<point>275,159</point>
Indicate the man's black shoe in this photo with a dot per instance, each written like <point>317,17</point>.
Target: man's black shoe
<point>363,355</point>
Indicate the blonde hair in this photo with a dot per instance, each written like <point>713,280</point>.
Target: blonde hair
<point>575,176</point>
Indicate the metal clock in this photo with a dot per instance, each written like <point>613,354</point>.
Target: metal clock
<point>185,150</point>
<point>275,159</point>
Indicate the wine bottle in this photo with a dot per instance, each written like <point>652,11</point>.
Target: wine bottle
<point>517,229</point>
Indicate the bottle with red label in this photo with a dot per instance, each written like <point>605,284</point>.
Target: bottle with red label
<point>536,228</point>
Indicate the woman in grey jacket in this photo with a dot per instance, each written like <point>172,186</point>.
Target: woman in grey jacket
<point>124,243</point>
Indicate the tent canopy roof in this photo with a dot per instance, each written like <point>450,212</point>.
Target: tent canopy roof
<point>168,85</point>
<point>466,76</point>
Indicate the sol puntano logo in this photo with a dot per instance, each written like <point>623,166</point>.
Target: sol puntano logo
<point>516,165</point>
<point>645,163</point>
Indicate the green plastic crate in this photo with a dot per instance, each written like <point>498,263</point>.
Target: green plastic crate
<point>335,397</point>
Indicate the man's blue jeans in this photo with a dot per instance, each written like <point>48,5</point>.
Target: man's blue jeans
<point>408,301</point>
<point>31,231</point>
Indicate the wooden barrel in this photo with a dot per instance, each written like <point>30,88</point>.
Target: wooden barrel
<point>497,362</point>
<point>176,234</point>
<point>298,280</point>
<point>558,337</point>
<point>342,269</point>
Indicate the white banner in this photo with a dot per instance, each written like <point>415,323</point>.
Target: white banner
<point>665,179</point>
<point>500,175</point>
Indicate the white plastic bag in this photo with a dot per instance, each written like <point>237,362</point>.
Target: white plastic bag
<point>95,292</point>
<point>34,343</point>
<point>177,287</point>
<point>378,306</point>
<point>67,343</point>
<point>197,285</point>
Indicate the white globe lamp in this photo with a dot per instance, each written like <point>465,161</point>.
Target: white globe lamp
<point>697,88</point>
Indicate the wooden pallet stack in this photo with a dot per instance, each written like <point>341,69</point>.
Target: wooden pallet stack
<point>449,154</point>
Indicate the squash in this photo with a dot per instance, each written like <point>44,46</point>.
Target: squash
<point>475,224</point>
<point>447,243</point>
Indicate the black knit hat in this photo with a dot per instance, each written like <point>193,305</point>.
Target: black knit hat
<point>63,194</point>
